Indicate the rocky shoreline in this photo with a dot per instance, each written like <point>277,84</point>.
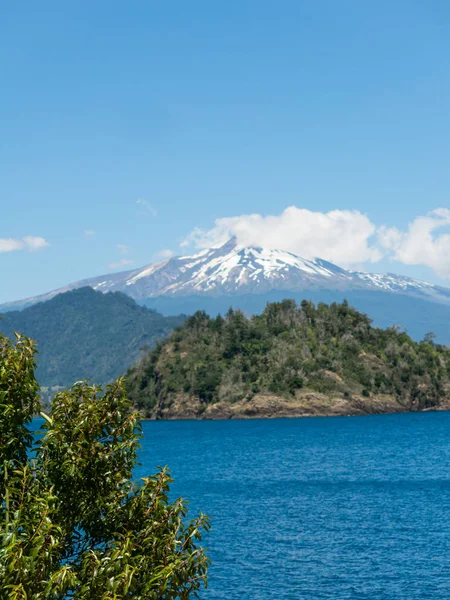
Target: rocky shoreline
<point>270,406</point>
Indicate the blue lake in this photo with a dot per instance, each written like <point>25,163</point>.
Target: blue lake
<point>335,508</point>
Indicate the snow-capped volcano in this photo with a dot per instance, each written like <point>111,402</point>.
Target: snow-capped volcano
<point>235,270</point>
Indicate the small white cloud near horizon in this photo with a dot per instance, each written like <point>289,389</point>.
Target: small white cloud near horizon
<point>123,248</point>
<point>146,208</point>
<point>123,262</point>
<point>164,254</point>
<point>31,243</point>
<point>88,233</point>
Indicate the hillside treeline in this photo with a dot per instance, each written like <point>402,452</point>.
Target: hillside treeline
<point>84,334</point>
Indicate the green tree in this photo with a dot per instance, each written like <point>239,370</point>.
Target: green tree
<point>72,522</point>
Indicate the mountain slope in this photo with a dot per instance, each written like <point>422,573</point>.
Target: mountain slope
<point>84,334</point>
<point>237,270</point>
<point>247,278</point>
<point>290,361</point>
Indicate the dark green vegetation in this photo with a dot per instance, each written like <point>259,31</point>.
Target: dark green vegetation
<point>72,523</point>
<point>414,315</point>
<point>330,349</point>
<point>85,334</point>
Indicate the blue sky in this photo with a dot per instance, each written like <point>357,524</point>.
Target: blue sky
<point>207,110</point>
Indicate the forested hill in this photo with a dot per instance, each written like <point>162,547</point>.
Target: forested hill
<point>289,361</point>
<point>86,334</point>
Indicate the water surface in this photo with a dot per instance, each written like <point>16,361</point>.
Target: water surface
<point>336,508</point>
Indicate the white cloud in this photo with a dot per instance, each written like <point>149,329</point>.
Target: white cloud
<point>29,242</point>
<point>164,254</point>
<point>123,262</point>
<point>146,208</point>
<point>33,243</point>
<point>345,237</point>
<point>88,233</point>
<point>123,248</point>
<point>10,244</point>
<point>422,243</point>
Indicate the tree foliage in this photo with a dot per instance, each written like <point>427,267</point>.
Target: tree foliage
<point>72,522</point>
<point>332,349</point>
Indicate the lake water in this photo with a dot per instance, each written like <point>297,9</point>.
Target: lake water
<point>337,508</point>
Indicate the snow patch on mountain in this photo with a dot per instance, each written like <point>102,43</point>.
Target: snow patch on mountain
<point>146,272</point>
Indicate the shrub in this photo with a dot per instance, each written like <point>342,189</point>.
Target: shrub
<point>72,522</point>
